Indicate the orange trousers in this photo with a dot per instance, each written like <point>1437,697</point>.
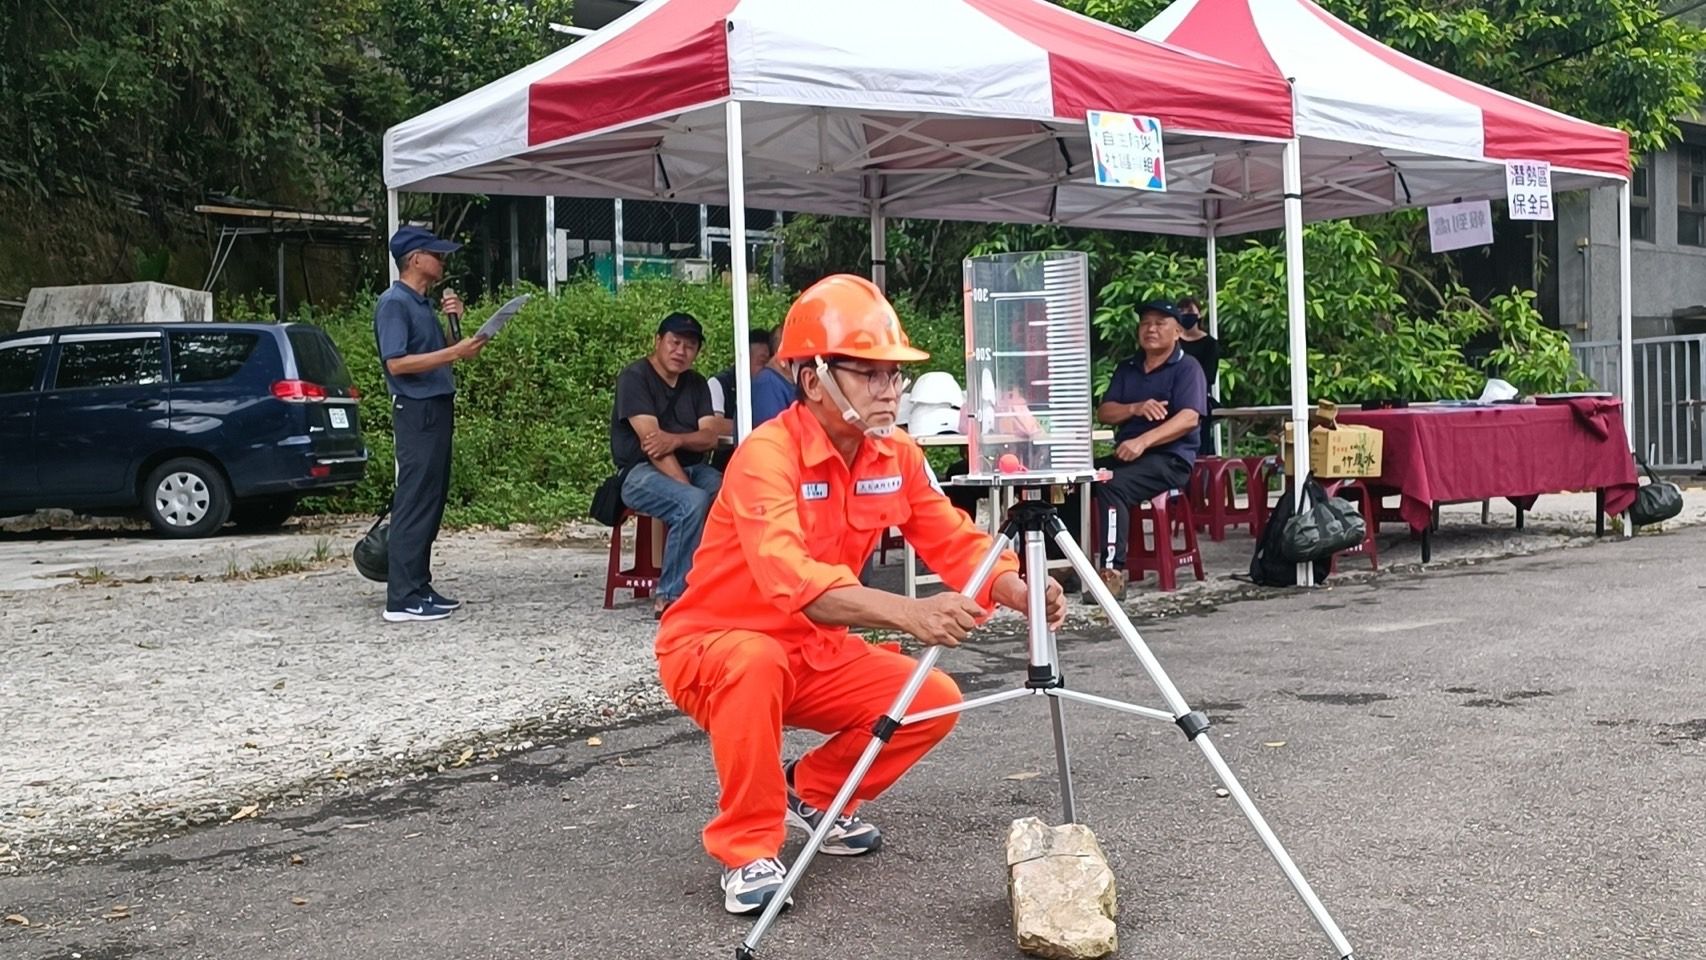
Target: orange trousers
<point>741,689</point>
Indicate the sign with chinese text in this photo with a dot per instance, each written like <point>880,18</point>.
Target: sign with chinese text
<point>1458,225</point>
<point>1528,187</point>
<point>1127,151</point>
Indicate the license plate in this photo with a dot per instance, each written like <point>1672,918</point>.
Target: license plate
<point>340,418</point>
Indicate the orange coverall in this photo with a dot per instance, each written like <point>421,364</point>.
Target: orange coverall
<point>738,654</point>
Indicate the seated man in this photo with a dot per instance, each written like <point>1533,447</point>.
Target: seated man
<point>660,428</point>
<point>723,393</point>
<point>760,638</point>
<point>1156,401</point>
<point>773,386</point>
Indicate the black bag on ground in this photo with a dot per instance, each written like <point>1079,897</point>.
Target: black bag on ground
<point>1656,501</point>
<point>1324,527</point>
<point>373,551</point>
<point>1268,566</point>
<point>607,499</point>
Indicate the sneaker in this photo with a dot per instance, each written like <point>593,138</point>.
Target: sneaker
<point>437,599</point>
<point>416,609</point>
<point>749,889</point>
<point>850,837</point>
<point>1115,581</point>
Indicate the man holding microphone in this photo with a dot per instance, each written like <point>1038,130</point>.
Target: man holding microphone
<point>416,363</point>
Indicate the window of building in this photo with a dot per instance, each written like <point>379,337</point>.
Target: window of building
<point>1691,196</point>
<point>114,360</point>
<point>1641,201</point>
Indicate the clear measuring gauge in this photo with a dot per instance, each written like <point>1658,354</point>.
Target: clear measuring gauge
<point>1028,391</point>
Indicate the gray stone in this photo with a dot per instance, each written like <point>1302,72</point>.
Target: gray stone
<point>1061,890</point>
<point>102,303</point>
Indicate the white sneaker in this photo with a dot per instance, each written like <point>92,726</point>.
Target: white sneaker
<point>749,889</point>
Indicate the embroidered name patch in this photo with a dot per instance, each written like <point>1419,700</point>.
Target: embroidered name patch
<point>814,491</point>
<point>876,485</point>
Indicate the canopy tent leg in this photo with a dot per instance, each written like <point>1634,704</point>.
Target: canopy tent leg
<point>1625,320</point>
<point>737,266</point>
<point>1214,330</point>
<point>1299,346</point>
<point>618,263</point>
<point>391,230</point>
<point>551,245</point>
<point>879,246</point>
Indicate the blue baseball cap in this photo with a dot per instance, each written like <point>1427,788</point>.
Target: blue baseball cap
<point>409,239</point>
<point>682,324</point>
<point>1168,307</point>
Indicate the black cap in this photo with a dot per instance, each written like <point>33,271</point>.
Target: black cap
<point>682,324</point>
<point>1168,307</point>
<point>409,239</point>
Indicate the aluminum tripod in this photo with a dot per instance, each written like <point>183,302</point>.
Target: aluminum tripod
<point>1028,522</point>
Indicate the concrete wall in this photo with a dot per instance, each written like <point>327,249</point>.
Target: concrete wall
<point>104,303</point>
<point>1667,276</point>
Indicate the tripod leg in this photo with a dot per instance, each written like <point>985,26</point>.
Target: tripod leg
<point>1194,725</point>
<point>1045,664</point>
<point>1063,759</point>
<point>880,733</point>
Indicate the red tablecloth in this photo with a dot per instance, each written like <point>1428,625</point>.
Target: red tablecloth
<point>1446,454</point>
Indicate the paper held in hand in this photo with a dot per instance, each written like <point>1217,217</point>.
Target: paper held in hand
<point>502,316</point>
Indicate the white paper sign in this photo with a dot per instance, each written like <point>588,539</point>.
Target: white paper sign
<point>1528,188</point>
<point>1127,151</point>
<point>1458,225</point>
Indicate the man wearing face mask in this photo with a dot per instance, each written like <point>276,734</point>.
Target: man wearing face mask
<point>416,364</point>
<point>1205,350</point>
<point>760,639</point>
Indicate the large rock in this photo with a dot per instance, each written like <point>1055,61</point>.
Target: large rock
<point>102,303</point>
<point>1061,890</point>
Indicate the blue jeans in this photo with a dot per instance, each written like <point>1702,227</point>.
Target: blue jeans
<point>682,507</point>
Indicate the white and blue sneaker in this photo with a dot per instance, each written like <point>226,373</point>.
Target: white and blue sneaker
<point>437,599</point>
<point>416,608</point>
<point>749,889</point>
<point>849,837</point>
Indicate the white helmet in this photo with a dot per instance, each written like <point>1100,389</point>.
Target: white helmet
<point>938,387</point>
<point>904,413</point>
<point>929,419</point>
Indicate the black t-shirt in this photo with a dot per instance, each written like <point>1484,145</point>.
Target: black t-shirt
<point>1206,352</point>
<point>641,392</point>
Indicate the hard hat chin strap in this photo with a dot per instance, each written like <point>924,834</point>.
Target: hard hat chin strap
<point>847,412</point>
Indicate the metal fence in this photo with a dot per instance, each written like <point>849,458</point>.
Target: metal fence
<point>1669,405</point>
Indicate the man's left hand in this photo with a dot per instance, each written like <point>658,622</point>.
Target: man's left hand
<point>1012,592</point>
<point>659,443</point>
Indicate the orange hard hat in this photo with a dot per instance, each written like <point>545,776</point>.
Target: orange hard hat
<point>845,316</point>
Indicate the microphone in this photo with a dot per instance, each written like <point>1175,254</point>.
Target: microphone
<point>455,319</point>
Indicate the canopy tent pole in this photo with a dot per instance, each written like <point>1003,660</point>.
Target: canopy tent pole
<point>1298,467</point>
<point>551,245</point>
<point>391,231</point>
<point>1214,328</point>
<point>618,263</point>
<point>514,242</point>
<point>879,237</point>
<point>1625,323</point>
<point>737,266</point>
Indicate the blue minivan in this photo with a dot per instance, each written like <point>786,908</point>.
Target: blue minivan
<point>193,424</point>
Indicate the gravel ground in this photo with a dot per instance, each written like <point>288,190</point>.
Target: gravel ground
<point>169,695</point>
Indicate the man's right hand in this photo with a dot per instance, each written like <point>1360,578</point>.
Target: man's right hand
<point>946,618</point>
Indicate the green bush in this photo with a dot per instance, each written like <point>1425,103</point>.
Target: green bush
<point>533,410</point>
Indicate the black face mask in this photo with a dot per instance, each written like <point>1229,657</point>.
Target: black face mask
<point>1189,320</point>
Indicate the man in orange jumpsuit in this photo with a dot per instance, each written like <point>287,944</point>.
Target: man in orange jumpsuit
<point>759,639</point>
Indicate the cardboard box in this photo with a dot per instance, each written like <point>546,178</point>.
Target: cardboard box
<point>1346,451</point>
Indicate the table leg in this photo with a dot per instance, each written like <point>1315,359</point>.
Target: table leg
<point>911,575</point>
<point>1599,512</point>
<point>1428,545</point>
<point>1521,517</point>
<point>1486,512</point>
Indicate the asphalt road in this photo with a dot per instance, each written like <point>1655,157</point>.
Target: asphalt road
<point>1498,761</point>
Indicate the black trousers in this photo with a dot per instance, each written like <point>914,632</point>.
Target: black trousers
<point>423,429</point>
<point>1131,483</point>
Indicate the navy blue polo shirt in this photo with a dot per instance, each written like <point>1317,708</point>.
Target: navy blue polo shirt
<point>1179,383</point>
<point>405,324</point>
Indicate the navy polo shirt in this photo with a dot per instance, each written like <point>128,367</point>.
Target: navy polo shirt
<point>406,324</point>
<point>1179,383</point>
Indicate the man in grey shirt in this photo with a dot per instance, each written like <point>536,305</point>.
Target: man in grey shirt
<point>416,362</point>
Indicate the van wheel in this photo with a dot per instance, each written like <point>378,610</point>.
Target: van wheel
<point>186,498</point>
<point>268,513</point>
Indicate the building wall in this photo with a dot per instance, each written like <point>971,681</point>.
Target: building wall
<point>1668,277</point>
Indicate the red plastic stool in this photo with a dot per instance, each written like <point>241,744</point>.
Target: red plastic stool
<point>1169,515</point>
<point>891,539</point>
<point>1219,508</point>
<point>1263,470</point>
<point>1369,507</point>
<point>642,577</point>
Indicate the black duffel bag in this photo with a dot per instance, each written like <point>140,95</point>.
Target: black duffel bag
<point>1322,528</point>
<point>1656,501</point>
<point>373,551</point>
<point>1269,566</point>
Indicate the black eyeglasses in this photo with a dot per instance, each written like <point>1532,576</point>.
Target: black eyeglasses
<point>875,380</point>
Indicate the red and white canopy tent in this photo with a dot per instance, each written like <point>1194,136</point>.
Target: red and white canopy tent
<point>1377,130</point>
<point>949,109</point>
